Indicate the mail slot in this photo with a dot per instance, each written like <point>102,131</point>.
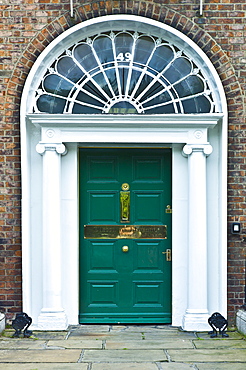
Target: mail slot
<point>125,232</point>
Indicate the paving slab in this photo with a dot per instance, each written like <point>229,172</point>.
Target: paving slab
<point>127,366</point>
<point>169,335</point>
<point>220,343</point>
<point>89,329</point>
<point>43,366</point>
<point>122,336</point>
<point>203,355</point>
<point>142,328</point>
<point>232,335</point>
<point>87,337</point>
<point>214,366</point>
<point>75,343</point>
<point>50,334</point>
<point>21,344</point>
<point>125,336</point>
<point>56,356</point>
<point>149,344</point>
<point>173,366</point>
<point>142,366</point>
<point>123,356</point>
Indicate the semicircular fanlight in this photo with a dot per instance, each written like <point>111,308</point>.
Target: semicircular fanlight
<point>124,73</point>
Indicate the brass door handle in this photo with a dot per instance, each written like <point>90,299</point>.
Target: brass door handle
<point>125,248</point>
<point>168,254</point>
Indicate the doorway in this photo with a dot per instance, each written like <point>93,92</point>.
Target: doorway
<point>125,235</point>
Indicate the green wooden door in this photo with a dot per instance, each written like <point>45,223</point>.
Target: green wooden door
<point>124,275</point>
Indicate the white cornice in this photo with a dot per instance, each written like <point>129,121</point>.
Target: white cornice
<point>125,121</point>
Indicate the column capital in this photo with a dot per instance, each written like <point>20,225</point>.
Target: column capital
<point>60,148</point>
<point>188,149</point>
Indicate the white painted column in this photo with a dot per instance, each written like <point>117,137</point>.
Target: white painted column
<point>196,316</point>
<point>52,315</point>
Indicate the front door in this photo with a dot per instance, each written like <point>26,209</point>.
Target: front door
<point>125,236</point>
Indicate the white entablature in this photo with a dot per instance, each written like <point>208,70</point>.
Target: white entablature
<point>89,128</point>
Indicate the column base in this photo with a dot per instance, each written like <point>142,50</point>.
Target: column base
<point>196,320</point>
<point>52,320</point>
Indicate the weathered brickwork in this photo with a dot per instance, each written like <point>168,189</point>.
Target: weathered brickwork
<point>28,26</point>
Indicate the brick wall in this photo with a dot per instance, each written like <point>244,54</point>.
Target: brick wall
<point>28,26</point>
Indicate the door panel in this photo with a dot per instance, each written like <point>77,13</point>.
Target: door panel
<point>146,169</point>
<point>102,206</point>
<point>148,293</point>
<point>102,257</point>
<point>147,257</point>
<point>148,206</point>
<point>102,169</point>
<point>119,285</point>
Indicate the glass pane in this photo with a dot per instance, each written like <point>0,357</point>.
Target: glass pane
<point>91,88</point>
<point>85,57</point>
<point>161,57</point>
<point>190,86</point>
<point>83,97</point>
<point>166,109</point>
<point>100,80</point>
<point>143,49</point>
<point>82,109</point>
<point>123,73</point>
<point>180,68</point>
<point>123,47</point>
<point>156,88</point>
<point>112,80</point>
<point>134,79</point>
<point>67,68</point>
<point>103,48</point>
<point>162,98</point>
<point>197,105</point>
<point>50,104</point>
<point>57,85</point>
<point>123,107</point>
<point>145,81</point>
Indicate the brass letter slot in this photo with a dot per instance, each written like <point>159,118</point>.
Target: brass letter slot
<point>125,232</point>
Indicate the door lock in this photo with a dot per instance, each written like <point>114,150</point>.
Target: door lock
<point>168,254</point>
<point>168,209</point>
<point>125,248</point>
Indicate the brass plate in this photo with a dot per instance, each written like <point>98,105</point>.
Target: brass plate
<point>125,232</point>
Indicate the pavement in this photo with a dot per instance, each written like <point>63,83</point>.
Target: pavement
<point>114,347</point>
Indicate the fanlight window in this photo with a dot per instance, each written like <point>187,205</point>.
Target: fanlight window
<point>124,73</point>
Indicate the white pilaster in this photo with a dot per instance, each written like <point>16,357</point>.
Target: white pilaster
<point>196,316</point>
<point>52,315</point>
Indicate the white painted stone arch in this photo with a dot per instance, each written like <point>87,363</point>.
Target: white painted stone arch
<point>50,228</point>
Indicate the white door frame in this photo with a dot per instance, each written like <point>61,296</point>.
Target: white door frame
<point>50,195</point>
<point>59,243</point>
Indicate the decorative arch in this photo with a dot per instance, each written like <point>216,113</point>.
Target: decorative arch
<point>124,72</point>
<point>122,66</point>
